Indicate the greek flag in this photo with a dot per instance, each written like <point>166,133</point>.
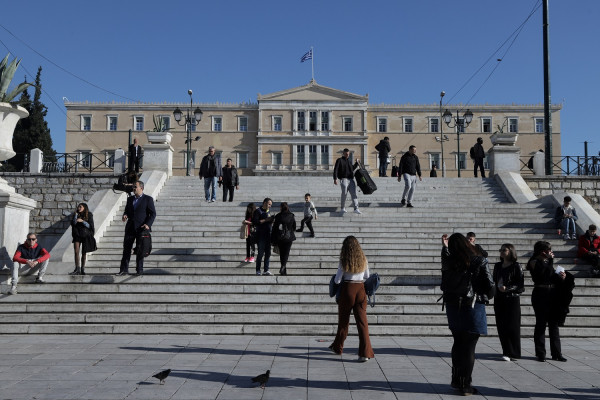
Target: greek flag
<point>307,56</point>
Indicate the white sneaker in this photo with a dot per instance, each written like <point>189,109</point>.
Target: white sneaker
<point>363,359</point>
<point>343,211</point>
<point>13,290</point>
<point>267,273</point>
<point>566,237</point>
<point>212,200</point>
<point>357,211</point>
<point>505,358</point>
<point>574,237</point>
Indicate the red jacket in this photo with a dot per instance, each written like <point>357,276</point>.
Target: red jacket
<point>586,242</point>
<point>25,252</point>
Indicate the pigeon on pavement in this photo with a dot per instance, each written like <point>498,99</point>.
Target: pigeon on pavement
<point>262,378</point>
<point>162,375</point>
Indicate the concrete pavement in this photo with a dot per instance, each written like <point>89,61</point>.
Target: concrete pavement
<point>220,367</point>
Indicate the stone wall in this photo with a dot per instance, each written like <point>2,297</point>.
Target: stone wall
<point>586,186</point>
<point>57,195</point>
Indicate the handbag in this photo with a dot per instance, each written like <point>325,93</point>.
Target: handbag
<point>334,288</point>
<point>244,231</point>
<point>285,235</point>
<point>275,249</point>
<point>371,286</point>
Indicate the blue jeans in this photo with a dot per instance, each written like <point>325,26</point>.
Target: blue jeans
<point>566,223</point>
<point>264,249</point>
<point>208,184</point>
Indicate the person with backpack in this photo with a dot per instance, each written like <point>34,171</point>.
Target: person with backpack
<point>283,235</point>
<point>384,148</point>
<point>477,155</point>
<point>467,286</point>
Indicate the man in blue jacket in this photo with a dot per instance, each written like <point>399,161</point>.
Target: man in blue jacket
<point>139,215</point>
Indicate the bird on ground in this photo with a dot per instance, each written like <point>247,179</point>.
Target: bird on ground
<point>262,378</point>
<point>162,375</point>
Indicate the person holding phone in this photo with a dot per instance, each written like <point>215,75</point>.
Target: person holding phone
<point>544,300</point>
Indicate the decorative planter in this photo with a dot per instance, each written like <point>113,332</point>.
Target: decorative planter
<point>9,116</point>
<point>159,137</point>
<point>504,139</point>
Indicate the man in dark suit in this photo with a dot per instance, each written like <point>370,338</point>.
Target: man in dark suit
<point>135,155</point>
<point>139,215</point>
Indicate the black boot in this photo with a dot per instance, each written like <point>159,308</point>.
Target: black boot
<point>76,271</point>
<point>454,382</point>
<point>82,270</point>
<point>283,270</point>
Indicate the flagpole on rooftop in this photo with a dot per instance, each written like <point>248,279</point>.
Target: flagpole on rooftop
<point>312,62</point>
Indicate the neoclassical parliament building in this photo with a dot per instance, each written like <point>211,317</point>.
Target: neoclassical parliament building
<point>302,131</point>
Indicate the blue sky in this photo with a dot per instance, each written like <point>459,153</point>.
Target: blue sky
<point>228,51</point>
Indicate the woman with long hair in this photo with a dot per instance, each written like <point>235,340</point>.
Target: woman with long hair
<point>509,281</point>
<point>283,235</point>
<point>543,299</point>
<point>353,270</point>
<point>250,240</point>
<point>82,231</point>
<point>467,286</point>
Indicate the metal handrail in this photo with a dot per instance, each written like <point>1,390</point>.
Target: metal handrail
<point>568,165</point>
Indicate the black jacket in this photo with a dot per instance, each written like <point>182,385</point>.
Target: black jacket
<point>383,148</point>
<point>409,164</point>
<point>479,152</point>
<point>343,169</point>
<point>143,213</point>
<point>230,176</point>
<point>283,219</point>
<point>512,278</point>
<point>481,282</point>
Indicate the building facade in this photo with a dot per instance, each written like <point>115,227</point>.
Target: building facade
<point>303,130</point>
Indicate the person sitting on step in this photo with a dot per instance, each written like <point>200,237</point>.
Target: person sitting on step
<point>30,257</point>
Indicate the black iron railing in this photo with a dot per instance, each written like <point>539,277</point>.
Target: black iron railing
<point>567,165</point>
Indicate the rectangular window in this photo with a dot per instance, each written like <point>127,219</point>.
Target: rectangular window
<point>486,125</point>
<point>461,125</point>
<point>347,124</point>
<point>434,125</point>
<point>382,124</point>
<point>312,154</point>
<point>277,123</point>
<point>217,124</point>
<point>86,122</point>
<point>276,158</point>
<point>462,160</point>
<point>301,121</point>
<point>112,122</point>
<point>324,121</point>
<point>109,157</point>
<point>408,125</point>
<point>312,121</point>
<point>166,120</point>
<point>86,159</point>
<point>324,154</point>
<point>300,156</point>
<point>539,125</point>
<point>138,124</point>
<point>242,160</point>
<point>434,158</point>
<point>243,124</point>
<point>513,125</point>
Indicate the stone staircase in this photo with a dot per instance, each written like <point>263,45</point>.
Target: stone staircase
<point>195,281</point>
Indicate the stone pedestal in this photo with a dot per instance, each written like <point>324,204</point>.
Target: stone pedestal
<point>119,164</point>
<point>504,155</point>
<point>14,221</point>
<point>539,163</point>
<point>158,155</point>
<point>36,163</point>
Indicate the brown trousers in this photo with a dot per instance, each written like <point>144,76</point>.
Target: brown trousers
<point>353,298</point>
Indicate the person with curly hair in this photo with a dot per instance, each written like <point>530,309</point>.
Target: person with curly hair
<point>353,270</point>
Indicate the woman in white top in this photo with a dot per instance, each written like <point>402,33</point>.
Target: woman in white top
<point>352,271</point>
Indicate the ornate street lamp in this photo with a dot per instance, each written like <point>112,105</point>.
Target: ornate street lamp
<point>177,114</point>
<point>442,138</point>
<point>460,124</point>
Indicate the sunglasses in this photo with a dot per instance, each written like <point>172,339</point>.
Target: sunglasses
<point>32,239</point>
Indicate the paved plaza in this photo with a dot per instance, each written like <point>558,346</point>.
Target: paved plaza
<point>220,367</point>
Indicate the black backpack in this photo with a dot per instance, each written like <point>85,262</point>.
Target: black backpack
<point>143,245</point>
<point>472,152</point>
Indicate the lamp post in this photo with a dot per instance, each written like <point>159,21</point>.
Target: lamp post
<point>197,115</point>
<point>442,138</point>
<point>459,124</point>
